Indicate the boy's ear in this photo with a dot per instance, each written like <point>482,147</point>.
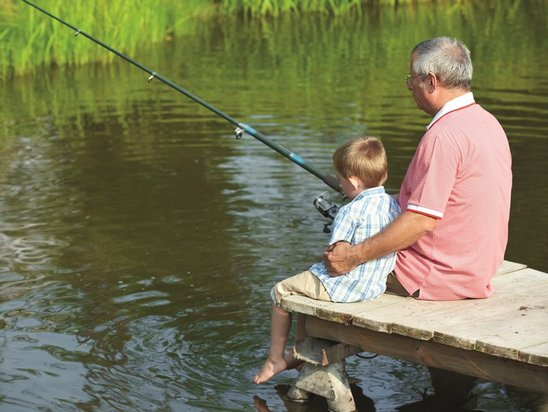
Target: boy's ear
<point>356,181</point>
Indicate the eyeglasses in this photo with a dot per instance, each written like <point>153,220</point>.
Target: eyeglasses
<point>408,79</point>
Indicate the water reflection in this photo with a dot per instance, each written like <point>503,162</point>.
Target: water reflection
<point>138,239</point>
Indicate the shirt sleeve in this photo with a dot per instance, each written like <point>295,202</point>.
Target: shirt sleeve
<point>342,227</point>
<point>435,171</point>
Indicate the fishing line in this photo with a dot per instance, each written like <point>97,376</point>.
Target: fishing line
<point>241,128</point>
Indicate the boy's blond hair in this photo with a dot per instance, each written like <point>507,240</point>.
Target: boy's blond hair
<point>362,157</point>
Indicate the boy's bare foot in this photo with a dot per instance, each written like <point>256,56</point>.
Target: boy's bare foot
<point>270,369</point>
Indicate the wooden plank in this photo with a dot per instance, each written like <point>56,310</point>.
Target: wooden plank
<point>479,322</point>
<point>468,362</point>
<point>509,267</point>
<point>302,304</point>
<point>534,354</point>
<point>420,319</point>
<point>512,282</point>
<point>337,312</point>
<point>345,312</point>
<point>507,334</point>
<point>515,318</point>
<point>500,336</point>
<point>424,319</point>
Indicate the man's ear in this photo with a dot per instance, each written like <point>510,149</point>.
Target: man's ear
<point>432,82</point>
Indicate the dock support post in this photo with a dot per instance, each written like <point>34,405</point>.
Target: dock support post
<point>328,380</point>
<point>298,395</point>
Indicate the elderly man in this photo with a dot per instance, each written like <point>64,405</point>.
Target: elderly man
<point>452,235</point>
<point>455,195</point>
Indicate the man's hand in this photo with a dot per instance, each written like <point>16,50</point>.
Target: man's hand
<point>339,258</point>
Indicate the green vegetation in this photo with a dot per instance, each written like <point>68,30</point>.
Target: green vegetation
<point>277,7</point>
<point>29,39</point>
<point>299,56</point>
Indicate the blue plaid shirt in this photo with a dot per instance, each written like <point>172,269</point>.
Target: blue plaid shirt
<point>367,214</point>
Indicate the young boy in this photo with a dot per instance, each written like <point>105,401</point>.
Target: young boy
<point>361,168</point>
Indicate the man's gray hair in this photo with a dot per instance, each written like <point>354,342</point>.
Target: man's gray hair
<point>447,58</point>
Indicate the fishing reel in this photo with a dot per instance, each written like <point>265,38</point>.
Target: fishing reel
<point>327,208</point>
<point>238,133</point>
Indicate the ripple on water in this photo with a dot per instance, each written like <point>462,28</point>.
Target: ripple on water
<point>48,365</point>
<point>27,248</point>
<point>139,296</point>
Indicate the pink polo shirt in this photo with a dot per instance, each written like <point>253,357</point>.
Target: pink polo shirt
<point>461,175</point>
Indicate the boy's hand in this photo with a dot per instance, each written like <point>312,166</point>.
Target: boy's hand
<point>338,258</point>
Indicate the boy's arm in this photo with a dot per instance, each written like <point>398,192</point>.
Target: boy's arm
<point>341,231</point>
<point>405,230</point>
<point>342,228</point>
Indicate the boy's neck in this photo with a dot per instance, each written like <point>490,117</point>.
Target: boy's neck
<point>361,190</point>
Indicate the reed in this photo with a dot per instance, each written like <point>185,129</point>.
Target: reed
<point>299,56</point>
<point>29,39</point>
<point>277,7</point>
<point>331,7</point>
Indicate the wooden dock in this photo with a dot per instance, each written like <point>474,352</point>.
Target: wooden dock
<point>503,338</point>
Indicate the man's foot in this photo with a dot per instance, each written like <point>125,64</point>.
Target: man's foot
<point>270,369</point>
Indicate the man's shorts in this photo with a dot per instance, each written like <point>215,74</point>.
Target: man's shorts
<point>394,287</point>
<point>305,284</point>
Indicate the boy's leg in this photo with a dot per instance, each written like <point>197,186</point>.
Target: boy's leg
<point>279,331</point>
<point>300,333</point>
<point>305,284</point>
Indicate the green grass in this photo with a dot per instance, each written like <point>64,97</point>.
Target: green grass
<point>29,39</point>
<point>277,7</point>
<point>297,55</point>
<point>332,7</point>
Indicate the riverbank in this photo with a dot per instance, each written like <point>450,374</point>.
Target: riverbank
<point>30,39</point>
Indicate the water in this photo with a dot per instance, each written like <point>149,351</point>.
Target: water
<point>139,239</point>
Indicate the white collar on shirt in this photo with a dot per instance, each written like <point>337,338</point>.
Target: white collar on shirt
<point>457,103</point>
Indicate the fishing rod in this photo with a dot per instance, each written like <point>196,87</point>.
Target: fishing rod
<point>241,128</point>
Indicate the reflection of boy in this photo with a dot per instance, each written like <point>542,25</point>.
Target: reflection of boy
<point>361,168</point>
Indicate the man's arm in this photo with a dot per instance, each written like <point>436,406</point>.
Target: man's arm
<point>405,230</point>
